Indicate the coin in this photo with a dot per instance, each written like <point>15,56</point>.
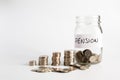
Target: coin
<point>72,68</point>
<point>64,70</point>
<point>87,53</point>
<point>69,53</point>
<point>93,59</point>
<point>84,67</point>
<point>81,66</point>
<point>56,54</point>
<point>84,60</point>
<point>79,56</point>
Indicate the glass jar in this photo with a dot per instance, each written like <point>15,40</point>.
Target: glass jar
<point>88,40</point>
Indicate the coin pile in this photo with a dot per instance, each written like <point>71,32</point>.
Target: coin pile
<point>43,60</point>
<point>42,69</point>
<point>56,58</point>
<point>86,57</point>
<point>64,70</point>
<point>73,59</point>
<point>68,57</point>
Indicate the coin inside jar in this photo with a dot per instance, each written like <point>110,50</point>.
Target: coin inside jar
<point>87,53</point>
<point>79,56</point>
<point>63,70</point>
<point>93,58</point>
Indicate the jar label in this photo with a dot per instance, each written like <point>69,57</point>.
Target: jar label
<point>88,40</point>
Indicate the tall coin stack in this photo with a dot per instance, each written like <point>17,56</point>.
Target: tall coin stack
<point>43,60</point>
<point>68,57</point>
<point>56,58</point>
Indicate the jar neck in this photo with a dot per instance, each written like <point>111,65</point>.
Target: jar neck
<point>88,20</point>
<point>87,24</point>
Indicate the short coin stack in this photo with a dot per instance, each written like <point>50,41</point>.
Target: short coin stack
<point>32,63</point>
<point>68,57</point>
<point>56,58</point>
<point>43,60</point>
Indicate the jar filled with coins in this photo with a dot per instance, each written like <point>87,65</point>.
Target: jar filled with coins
<point>88,40</point>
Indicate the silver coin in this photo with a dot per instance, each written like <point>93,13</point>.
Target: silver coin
<point>42,69</point>
<point>93,59</point>
<point>84,66</point>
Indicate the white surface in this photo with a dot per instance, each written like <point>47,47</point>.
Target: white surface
<point>29,28</point>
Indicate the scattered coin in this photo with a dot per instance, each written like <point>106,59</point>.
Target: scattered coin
<point>81,66</point>
<point>84,67</point>
<point>72,68</point>
<point>42,69</point>
<point>64,70</point>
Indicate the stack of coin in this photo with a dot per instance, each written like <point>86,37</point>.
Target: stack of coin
<point>68,57</point>
<point>43,60</point>
<point>56,58</point>
<point>32,63</point>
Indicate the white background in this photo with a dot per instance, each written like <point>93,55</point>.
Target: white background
<point>29,28</point>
